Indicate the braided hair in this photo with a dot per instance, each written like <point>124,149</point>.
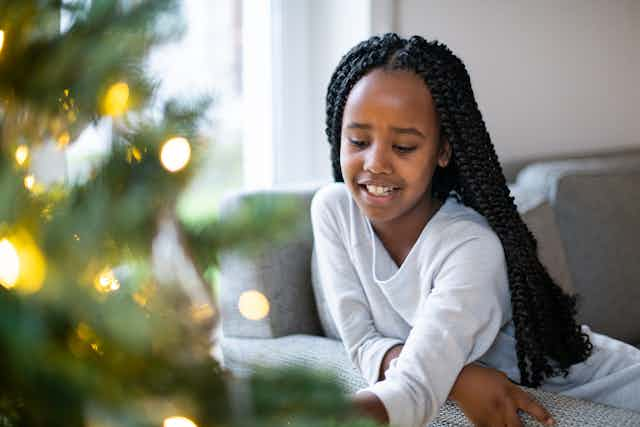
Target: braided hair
<point>548,339</point>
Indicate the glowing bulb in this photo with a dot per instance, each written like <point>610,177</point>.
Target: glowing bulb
<point>178,422</point>
<point>22,265</point>
<point>29,182</point>
<point>116,100</point>
<point>106,281</point>
<point>1,39</point>
<point>9,264</point>
<point>63,140</point>
<point>253,305</point>
<point>22,153</point>
<point>175,154</point>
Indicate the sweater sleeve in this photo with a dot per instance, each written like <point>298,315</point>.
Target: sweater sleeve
<point>346,299</point>
<point>455,325</point>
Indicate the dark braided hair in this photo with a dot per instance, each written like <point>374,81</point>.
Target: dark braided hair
<point>544,317</point>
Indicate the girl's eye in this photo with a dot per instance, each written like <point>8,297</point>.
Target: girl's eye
<point>404,149</point>
<point>357,143</point>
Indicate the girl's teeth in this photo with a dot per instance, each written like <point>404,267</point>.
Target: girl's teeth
<point>379,191</point>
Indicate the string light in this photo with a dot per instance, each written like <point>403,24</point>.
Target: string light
<point>9,264</point>
<point>178,422</point>
<point>22,154</point>
<point>106,281</point>
<point>22,265</point>
<point>175,154</point>
<point>63,140</point>
<point>1,39</point>
<point>29,182</point>
<point>253,305</point>
<point>116,99</point>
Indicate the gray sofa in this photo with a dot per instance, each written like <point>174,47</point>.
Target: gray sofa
<point>585,214</point>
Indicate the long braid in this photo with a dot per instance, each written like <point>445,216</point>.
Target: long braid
<point>544,317</point>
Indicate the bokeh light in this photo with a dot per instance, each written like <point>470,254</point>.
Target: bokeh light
<point>1,39</point>
<point>116,100</point>
<point>9,264</point>
<point>63,139</point>
<point>29,182</point>
<point>178,422</point>
<point>106,281</point>
<point>22,153</point>
<point>253,305</point>
<point>22,264</point>
<point>175,154</point>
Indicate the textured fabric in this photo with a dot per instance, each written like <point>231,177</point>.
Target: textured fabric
<point>281,273</point>
<point>241,355</point>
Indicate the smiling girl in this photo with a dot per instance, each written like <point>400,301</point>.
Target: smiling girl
<point>431,276</point>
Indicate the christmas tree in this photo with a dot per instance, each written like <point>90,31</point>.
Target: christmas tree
<point>91,334</point>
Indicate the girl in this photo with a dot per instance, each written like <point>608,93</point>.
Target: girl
<point>425,262</point>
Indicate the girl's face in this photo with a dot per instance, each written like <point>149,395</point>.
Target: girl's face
<point>390,146</point>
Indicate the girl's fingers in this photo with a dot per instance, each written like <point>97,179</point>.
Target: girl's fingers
<point>511,417</point>
<point>529,405</point>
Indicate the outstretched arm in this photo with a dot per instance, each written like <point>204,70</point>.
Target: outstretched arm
<point>485,395</point>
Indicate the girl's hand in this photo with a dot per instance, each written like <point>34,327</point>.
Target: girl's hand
<point>488,399</point>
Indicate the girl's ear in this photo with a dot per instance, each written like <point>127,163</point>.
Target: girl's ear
<point>445,154</point>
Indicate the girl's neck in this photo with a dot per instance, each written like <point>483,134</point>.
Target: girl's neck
<point>400,235</point>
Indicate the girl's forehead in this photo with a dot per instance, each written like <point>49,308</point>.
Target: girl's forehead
<point>398,93</point>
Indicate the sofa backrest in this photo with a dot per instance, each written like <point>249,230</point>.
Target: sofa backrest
<point>596,208</point>
<point>279,270</point>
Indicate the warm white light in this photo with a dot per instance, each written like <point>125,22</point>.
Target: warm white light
<point>106,281</point>
<point>29,182</point>
<point>22,153</point>
<point>116,99</point>
<point>175,154</point>
<point>9,264</point>
<point>253,305</point>
<point>1,39</point>
<point>178,422</point>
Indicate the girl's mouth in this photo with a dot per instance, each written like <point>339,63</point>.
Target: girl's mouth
<point>377,194</point>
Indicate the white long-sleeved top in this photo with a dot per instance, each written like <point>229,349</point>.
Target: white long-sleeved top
<point>448,303</point>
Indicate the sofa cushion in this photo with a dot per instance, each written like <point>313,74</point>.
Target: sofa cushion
<point>243,355</point>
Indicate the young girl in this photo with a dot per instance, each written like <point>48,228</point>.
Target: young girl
<point>427,266</point>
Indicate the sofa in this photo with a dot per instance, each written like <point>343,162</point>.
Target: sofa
<point>584,212</point>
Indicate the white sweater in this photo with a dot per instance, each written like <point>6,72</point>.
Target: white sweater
<point>448,302</point>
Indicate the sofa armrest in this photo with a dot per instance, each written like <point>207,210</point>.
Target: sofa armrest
<point>281,271</point>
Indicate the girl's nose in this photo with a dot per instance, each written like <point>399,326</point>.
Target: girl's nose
<point>377,159</point>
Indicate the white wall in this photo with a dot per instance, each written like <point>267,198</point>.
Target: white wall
<point>550,77</point>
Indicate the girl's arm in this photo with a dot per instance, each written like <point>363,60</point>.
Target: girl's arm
<point>454,326</point>
<point>485,395</point>
<point>345,297</point>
